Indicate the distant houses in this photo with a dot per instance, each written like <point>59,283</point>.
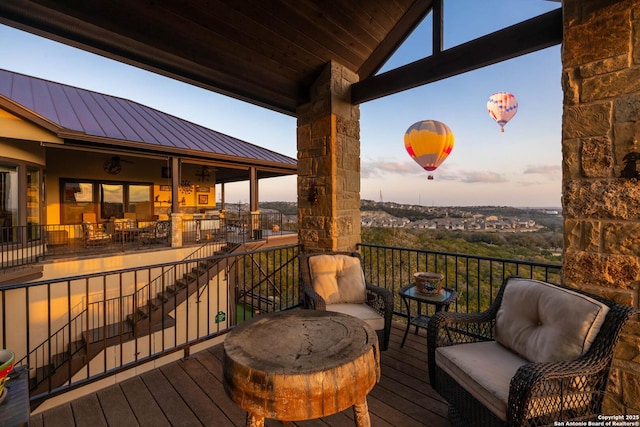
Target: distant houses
<point>474,222</point>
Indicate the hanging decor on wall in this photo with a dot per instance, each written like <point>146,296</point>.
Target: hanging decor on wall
<point>185,186</point>
<point>113,166</point>
<point>203,174</point>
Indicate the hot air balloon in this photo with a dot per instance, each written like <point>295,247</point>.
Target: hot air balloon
<point>502,107</point>
<point>428,142</point>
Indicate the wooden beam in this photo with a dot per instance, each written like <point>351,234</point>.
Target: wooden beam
<point>438,27</point>
<point>403,29</point>
<point>528,36</point>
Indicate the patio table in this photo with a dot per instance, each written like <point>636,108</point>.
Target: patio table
<point>301,364</point>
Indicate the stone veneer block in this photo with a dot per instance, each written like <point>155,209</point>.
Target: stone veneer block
<point>596,157</point>
<point>627,108</point>
<point>616,199</point>
<point>572,235</point>
<point>571,159</point>
<point>630,390</point>
<point>596,270</point>
<point>603,34</point>
<point>607,65</point>
<point>621,238</point>
<point>611,85</point>
<point>590,120</point>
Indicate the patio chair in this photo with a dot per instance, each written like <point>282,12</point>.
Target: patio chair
<point>94,235</point>
<point>334,281</point>
<point>539,354</point>
<point>157,233</point>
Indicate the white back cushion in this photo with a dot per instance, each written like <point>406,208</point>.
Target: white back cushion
<point>546,323</point>
<point>338,278</point>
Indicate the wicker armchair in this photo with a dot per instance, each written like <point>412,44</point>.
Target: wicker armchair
<point>538,393</point>
<point>376,307</point>
<point>94,235</point>
<point>158,232</point>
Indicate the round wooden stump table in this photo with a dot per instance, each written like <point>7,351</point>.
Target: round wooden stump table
<point>301,364</point>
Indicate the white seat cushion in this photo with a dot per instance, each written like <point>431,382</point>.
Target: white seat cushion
<point>545,323</point>
<point>338,278</point>
<point>484,369</point>
<point>362,312</point>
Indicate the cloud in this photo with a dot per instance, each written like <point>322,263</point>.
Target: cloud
<point>543,169</point>
<point>482,176</point>
<point>376,168</point>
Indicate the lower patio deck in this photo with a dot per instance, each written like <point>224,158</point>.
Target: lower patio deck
<point>189,392</point>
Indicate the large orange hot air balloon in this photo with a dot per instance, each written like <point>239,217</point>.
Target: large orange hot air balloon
<point>502,106</point>
<point>428,142</point>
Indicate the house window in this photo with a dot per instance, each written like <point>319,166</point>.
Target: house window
<point>33,196</point>
<point>112,200</point>
<point>33,202</point>
<point>140,197</point>
<point>77,198</point>
<point>106,199</point>
<point>8,198</point>
<point>20,201</point>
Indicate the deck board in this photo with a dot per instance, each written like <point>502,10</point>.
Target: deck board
<point>190,392</point>
<point>117,410</point>
<point>144,406</point>
<point>169,399</point>
<point>88,413</point>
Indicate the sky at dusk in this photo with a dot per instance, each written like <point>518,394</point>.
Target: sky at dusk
<point>520,167</point>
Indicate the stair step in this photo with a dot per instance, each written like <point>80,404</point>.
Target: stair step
<point>76,346</point>
<point>58,359</point>
<point>155,303</point>
<point>143,312</point>
<point>199,271</point>
<point>189,277</point>
<point>162,297</point>
<point>180,284</point>
<point>41,374</point>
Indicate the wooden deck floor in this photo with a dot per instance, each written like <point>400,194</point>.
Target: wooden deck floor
<point>190,393</point>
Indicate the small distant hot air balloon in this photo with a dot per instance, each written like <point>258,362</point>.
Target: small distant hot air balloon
<point>428,142</point>
<point>502,107</point>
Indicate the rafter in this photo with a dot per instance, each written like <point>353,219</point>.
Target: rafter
<point>528,36</point>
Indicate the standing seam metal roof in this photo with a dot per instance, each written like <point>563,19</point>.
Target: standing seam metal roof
<point>99,115</point>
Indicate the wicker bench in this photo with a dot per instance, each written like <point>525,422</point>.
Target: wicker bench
<point>541,353</point>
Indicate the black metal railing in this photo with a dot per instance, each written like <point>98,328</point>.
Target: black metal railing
<point>25,245</point>
<point>235,227</point>
<point>79,329</point>
<point>476,279</point>
<point>20,245</point>
<point>119,319</point>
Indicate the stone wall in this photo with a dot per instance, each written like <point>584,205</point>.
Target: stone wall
<point>329,164</point>
<point>601,181</point>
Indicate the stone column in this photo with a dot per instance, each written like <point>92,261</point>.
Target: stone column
<point>601,180</point>
<point>329,164</point>
<point>176,230</point>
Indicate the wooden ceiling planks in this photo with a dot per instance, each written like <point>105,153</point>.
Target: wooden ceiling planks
<point>267,52</point>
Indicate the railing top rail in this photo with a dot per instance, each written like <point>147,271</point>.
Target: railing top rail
<point>460,255</point>
<point>145,267</point>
